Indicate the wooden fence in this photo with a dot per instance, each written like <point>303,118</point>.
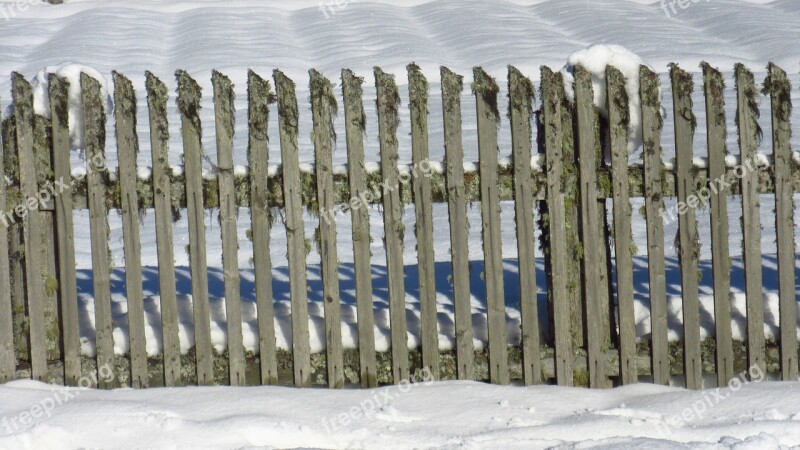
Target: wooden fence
<point>39,330</point>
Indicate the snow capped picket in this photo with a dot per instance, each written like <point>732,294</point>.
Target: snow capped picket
<point>72,73</point>
<point>595,59</point>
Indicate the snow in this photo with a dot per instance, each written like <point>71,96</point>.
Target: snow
<point>72,73</point>
<point>595,60</point>
<point>755,415</point>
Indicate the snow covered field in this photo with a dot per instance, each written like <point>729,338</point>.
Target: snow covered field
<point>199,36</point>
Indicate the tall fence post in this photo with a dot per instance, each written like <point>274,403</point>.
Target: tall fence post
<point>713,88</point>
<point>521,95</point>
<point>394,229</point>
<point>162,200</point>
<point>747,113</point>
<point>618,122</point>
<point>295,228</point>
<point>189,96</point>
<point>323,108</point>
<point>452,85</point>
<point>259,98</point>
<point>779,88</point>
<point>8,359</point>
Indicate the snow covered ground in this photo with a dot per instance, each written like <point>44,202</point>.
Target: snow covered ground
<point>199,36</point>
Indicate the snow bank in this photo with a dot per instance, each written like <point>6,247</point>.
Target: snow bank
<point>595,59</point>
<point>72,72</point>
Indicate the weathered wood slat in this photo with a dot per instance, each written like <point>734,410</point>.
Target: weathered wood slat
<point>619,120</point>
<point>189,96</point>
<point>65,232</point>
<point>32,231</point>
<point>355,122</point>
<point>259,98</point>
<point>452,85</point>
<point>224,110</point>
<point>94,117</point>
<point>521,96</point>
<point>714,86</point>
<point>394,229</point>
<point>552,98</point>
<point>295,228</point>
<point>162,198</point>
<point>8,359</point>
<point>688,239</point>
<point>652,123</point>
<point>749,137</point>
<point>593,261</point>
<point>486,90</point>
<point>128,149</point>
<point>418,106</point>
<point>779,88</point>
<point>323,108</point>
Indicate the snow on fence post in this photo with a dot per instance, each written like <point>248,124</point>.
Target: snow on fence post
<point>779,88</point>
<point>228,212</point>
<point>452,85</point>
<point>295,229</point>
<point>554,223</point>
<point>189,96</point>
<point>128,149</point>
<point>713,88</point>
<point>486,90</point>
<point>688,239</point>
<point>258,99</point>
<point>652,123</point>
<point>618,121</point>
<point>418,107</point>
<point>65,233</point>
<point>323,108</point>
<point>8,360</point>
<point>355,123</point>
<point>33,226</point>
<point>162,200</point>
<point>521,95</point>
<point>593,262</point>
<point>749,137</point>
<point>388,102</point>
<point>94,116</point>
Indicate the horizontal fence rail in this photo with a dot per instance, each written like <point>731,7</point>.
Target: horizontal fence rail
<point>574,191</point>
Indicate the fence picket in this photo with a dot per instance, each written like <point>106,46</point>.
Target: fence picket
<point>128,149</point>
<point>749,138</point>
<point>714,87</point>
<point>652,122</point>
<point>618,121</point>
<point>418,106</point>
<point>65,232</point>
<point>354,129</point>
<point>590,227</point>
<point>162,199</point>
<point>94,124</point>
<point>189,105</point>
<point>485,90</point>
<point>688,239</point>
<point>779,88</point>
<point>295,228</point>
<point>228,212</point>
<point>452,85</point>
<point>388,103</point>
<point>323,106</point>
<point>8,359</point>
<point>552,98</point>
<point>259,98</point>
<point>521,96</point>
